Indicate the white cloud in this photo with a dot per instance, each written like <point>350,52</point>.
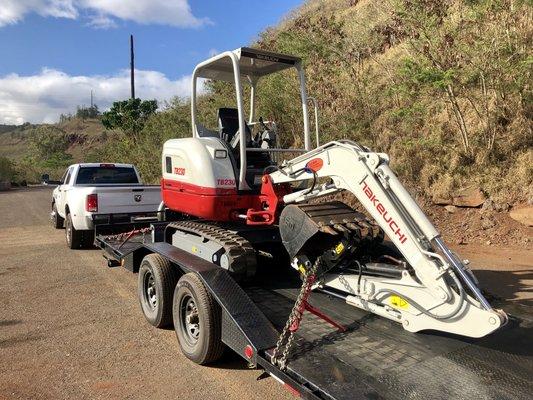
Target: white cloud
<point>101,13</point>
<point>102,22</point>
<point>165,12</point>
<point>13,11</point>
<point>43,97</point>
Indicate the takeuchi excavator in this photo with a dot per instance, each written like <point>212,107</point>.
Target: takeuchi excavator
<point>233,178</point>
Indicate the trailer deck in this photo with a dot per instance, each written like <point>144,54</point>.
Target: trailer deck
<point>375,358</point>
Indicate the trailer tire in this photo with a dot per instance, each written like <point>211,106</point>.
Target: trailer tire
<point>57,221</point>
<point>155,288</point>
<point>197,321</point>
<point>73,237</point>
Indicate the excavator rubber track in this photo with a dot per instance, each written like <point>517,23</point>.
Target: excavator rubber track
<point>241,254</point>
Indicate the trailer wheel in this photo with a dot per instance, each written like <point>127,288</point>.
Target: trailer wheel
<point>157,279</point>
<point>197,321</point>
<point>74,237</point>
<point>57,220</point>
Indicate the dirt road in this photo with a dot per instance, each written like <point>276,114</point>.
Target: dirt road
<point>72,328</point>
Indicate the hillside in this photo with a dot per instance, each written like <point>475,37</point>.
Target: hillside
<point>82,135</point>
<point>30,156</point>
<point>443,87</point>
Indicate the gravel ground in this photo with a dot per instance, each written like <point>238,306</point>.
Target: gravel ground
<point>72,328</point>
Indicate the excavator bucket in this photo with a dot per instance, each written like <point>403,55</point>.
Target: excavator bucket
<point>305,228</point>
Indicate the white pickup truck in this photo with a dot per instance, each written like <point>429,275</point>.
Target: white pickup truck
<point>91,194</point>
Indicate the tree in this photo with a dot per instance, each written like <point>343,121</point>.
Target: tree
<point>129,115</point>
<point>7,170</point>
<point>47,141</point>
<point>48,147</point>
<point>87,112</point>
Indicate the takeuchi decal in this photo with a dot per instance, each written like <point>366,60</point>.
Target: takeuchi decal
<point>383,211</point>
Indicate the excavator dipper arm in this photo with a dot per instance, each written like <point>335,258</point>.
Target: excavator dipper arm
<point>435,290</point>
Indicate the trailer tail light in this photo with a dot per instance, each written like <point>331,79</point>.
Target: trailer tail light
<point>294,392</point>
<point>91,203</point>
<point>248,352</point>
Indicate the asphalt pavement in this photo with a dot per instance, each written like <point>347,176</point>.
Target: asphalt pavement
<point>72,328</point>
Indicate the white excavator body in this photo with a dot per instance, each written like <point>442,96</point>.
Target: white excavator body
<point>232,175</point>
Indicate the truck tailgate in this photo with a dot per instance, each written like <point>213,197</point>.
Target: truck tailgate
<point>128,199</point>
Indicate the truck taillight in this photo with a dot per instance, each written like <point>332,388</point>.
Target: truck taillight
<point>91,203</point>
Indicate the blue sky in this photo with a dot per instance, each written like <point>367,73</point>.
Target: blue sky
<point>61,49</point>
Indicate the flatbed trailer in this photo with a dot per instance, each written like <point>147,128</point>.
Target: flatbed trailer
<point>373,359</point>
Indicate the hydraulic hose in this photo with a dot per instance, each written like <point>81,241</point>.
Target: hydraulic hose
<point>451,314</point>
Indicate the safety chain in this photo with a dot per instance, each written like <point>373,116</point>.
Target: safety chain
<point>286,339</point>
<point>124,237</point>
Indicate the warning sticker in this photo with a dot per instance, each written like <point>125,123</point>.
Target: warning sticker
<point>339,248</point>
<point>398,302</point>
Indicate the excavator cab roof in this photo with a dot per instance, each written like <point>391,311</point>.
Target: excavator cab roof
<point>253,64</point>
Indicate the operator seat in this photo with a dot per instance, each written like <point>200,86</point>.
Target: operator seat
<point>228,123</point>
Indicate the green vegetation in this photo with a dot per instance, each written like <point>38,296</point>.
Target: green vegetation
<point>144,148</point>
<point>443,87</point>
<point>46,149</point>
<point>8,171</point>
<point>82,112</point>
<point>47,153</point>
<point>129,116</point>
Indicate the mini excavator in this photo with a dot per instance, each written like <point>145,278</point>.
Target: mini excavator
<point>390,260</point>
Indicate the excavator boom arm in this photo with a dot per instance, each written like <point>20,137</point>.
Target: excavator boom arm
<point>439,277</point>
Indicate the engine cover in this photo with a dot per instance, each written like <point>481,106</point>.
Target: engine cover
<point>199,179</point>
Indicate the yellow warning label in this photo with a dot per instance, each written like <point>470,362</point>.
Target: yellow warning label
<point>301,268</point>
<point>339,248</point>
<point>398,302</point>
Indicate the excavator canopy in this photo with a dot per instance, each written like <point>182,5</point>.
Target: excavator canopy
<point>253,64</point>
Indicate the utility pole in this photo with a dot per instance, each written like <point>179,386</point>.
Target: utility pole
<point>132,68</point>
<point>92,102</point>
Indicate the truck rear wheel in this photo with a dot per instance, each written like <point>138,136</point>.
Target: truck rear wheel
<point>197,320</point>
<point>74,237</point>
<point>157,279</point>
<point>57,220</point>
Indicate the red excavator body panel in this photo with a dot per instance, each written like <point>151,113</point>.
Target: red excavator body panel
<point>223,205</point>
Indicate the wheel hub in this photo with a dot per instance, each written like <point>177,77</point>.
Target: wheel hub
<point>190,319</point>
<point>150,290</point>
<point>68,231</point>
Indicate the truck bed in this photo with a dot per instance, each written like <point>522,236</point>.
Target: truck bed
<point>376,359</point>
